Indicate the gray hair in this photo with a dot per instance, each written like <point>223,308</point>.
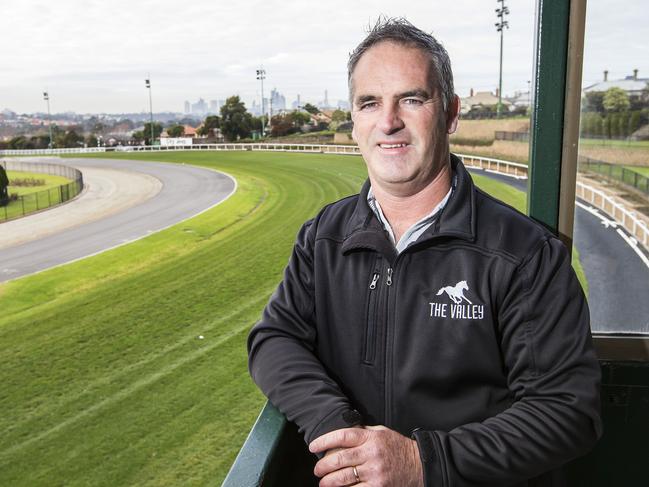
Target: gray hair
<point>400,31</point>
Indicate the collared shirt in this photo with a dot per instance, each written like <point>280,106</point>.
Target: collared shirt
<point>411,234</point>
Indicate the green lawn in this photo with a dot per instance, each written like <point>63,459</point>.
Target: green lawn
<point>639,169</point>
<point>50,182</point>
<point>104,379</point>
<point>34,197</point>
<point>622,144</point>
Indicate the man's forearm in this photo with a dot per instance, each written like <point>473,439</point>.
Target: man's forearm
<point>300,387</point>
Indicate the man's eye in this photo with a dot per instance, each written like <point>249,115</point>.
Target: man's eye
<point>368,105</point>
<point>412,101</point>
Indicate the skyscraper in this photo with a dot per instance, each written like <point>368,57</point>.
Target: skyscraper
<point>277,100</point>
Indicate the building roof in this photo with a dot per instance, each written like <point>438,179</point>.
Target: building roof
<point>482,98</point>
<point>628,84</point>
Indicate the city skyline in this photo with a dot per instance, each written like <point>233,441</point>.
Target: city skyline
<point>92,58</point>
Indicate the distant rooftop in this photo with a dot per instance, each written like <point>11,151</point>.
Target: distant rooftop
<point>632,84</point>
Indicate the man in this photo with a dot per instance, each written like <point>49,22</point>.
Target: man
<point>425,333</point>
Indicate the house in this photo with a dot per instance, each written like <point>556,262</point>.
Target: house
<point>481,98</point>
<point>632,84</point>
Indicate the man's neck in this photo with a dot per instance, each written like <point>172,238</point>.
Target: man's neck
<point>404,210</point>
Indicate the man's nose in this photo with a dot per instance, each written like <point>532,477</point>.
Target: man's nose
<point>390,121</point>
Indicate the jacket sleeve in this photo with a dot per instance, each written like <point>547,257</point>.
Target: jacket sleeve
<point>553,376</point>
<point>282,355</point>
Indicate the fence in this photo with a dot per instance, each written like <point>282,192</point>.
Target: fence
<point>40,200</point>
<point>636,227</point>
<point>515,136</point>
<point>514,169</point>
<point>616,173</point>
<point>599,199</point>
<point>324,148</point>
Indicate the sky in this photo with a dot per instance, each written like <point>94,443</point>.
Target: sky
<point>93,56</point>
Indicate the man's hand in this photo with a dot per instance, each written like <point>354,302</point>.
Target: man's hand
<point>382,457</point>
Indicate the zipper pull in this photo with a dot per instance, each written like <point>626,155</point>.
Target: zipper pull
<point>375,278</point>
<point>389,280</point>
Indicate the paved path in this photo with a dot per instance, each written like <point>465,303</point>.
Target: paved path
<point>618,278</point>
<point>171,193</point>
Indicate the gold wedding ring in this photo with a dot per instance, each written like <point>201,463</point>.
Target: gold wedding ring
<point>358,479</point>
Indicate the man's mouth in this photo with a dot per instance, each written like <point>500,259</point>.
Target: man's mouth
<point>393,146</point>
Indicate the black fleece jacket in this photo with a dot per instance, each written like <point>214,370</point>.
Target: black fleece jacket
<point>475,340</point>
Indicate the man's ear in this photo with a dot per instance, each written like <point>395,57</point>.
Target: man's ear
<point>354,127</point>
<point>453,115</point>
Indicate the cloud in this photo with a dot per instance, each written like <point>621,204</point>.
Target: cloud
<point>211,49</point>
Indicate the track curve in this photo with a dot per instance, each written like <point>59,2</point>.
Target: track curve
<point>185,192</point>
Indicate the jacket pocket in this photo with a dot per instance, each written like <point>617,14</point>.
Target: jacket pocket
<point>369,346</point>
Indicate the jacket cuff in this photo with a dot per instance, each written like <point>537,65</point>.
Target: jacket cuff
<point>429,453</point>
<point>338,419</point>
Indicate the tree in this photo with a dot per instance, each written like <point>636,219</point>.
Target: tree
<point>289,123</point>
<point>282,125</point>
<point>338,116</point>
<point>311,108</point>
<point>70,139</point>
<point>616,100</point>
<point>257,123</point>
<point>4,182</point>
<point>138,136</point>
<point>236,122</point>
<point>92,140</point>
<point>634,122</point>
<point>211,122</point>
<point>146,132</point>
<point>300,118</point>
<point>593,102</point>
<point>176,131</point>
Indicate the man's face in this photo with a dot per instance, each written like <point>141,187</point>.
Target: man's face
<point>399,121</point>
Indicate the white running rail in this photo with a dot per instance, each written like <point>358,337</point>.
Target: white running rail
<point>628,219</point>
<point>636,227</point>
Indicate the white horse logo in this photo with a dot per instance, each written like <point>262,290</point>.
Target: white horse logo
<point>456,293</point>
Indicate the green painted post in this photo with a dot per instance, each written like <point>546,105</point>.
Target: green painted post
<point>546,130</point>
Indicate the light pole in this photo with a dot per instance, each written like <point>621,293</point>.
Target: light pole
<point>147,82</point>
<point>261,76</point>
<point>500,26</point>
<point>46,97</point>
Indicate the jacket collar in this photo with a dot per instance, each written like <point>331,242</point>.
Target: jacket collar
<point>457,219</point>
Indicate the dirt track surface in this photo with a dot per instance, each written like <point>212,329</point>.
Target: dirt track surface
<point>106,192</point>
<point>154,196</point>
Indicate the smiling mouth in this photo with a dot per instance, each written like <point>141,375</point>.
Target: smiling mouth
<point>392,146</point>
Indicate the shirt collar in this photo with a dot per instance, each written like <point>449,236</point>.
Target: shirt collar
<point>417,228</point>
<point>457,219</point>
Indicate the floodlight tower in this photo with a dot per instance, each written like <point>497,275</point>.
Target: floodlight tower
<point>147,83</point>
<point>261,76</point>
<point>46,97</point>
<point>500,27</point>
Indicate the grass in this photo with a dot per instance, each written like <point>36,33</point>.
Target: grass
<point>641,170</point>
<point>622,144</point>
<point>104,381</point>
<point>50,182</point>
<point>34,198</point>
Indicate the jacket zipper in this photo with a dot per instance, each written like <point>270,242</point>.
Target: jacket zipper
<point>388,347</point>
<point>370,326</point>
